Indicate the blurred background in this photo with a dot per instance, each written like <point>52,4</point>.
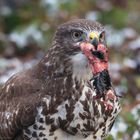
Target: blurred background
<point>27,27</point>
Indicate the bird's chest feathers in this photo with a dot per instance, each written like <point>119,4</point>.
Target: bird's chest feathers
<point>82,119</point>
<point>80,67</point>
<point>74,118</point>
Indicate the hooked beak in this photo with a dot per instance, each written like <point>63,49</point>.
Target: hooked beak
<point>93,39</point>
<point>90,45</point>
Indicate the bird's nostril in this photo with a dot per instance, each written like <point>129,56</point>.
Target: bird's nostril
<point>90,38</point>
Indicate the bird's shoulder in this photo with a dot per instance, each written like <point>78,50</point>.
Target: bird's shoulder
<point>22,84</point>
<point>19,98</point>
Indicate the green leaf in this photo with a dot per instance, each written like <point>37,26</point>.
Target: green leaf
<point>110,137</point>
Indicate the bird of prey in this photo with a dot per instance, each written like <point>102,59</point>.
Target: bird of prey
<point>68,95</point>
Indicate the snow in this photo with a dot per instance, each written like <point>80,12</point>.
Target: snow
<point>130,63</point>
<point>119,126</point>
<point>31,33</point>
<point>92,15</point>
<point>5,10</point>
<point>135,44</point>
<point>135,112</point>
<point>116,38</point>
<point>13,65</point>
<point>136,135</point>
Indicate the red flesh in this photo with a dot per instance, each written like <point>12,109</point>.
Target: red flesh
<point>97,65</point>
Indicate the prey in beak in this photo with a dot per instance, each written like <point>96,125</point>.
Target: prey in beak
<point>97,53</point>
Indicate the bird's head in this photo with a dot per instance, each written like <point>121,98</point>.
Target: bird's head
<point>85,37</point>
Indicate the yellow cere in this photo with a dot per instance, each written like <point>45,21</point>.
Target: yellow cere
<point>93,35</point>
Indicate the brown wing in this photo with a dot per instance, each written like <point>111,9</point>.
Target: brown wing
<point>18,100</point>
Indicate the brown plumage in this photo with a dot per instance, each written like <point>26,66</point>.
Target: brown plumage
<point>55,100</point>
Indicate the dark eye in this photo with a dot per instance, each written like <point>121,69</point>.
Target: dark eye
<point>102,37</point>
<point>77,35</point>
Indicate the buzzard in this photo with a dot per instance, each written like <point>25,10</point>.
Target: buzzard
<point>68,95</point>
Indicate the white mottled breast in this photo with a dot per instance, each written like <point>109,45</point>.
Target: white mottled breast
<point>60,134</point>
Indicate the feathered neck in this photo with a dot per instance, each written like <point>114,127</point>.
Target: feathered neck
<point>58,62</point>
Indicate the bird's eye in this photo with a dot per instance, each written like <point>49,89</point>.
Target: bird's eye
<point>102,37</point>
<point>76,35</point>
